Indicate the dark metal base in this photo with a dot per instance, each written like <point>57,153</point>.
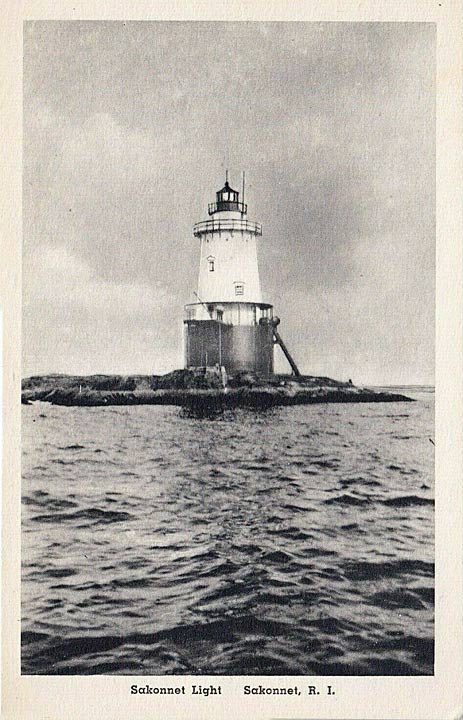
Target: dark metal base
<point>236,347</point>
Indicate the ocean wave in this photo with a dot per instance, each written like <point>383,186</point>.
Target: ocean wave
<point>294,542</point>
<point>94,515</point>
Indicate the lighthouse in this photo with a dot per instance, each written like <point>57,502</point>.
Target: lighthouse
<point>229,325</point>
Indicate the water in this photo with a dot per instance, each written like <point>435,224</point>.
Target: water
<point>296,541</point>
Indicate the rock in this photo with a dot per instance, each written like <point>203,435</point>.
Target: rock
<point>196,388</point>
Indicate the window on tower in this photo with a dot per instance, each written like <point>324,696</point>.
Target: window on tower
<point>239,288</point>
<point>211,264</point>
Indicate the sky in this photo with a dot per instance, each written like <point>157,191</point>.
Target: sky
<point>128,130</point>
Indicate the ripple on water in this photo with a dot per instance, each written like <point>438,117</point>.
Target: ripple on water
<point>297,541</point>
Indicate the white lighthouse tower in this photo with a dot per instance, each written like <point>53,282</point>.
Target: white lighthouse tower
<point>228,270</point>
<point>229,325</point>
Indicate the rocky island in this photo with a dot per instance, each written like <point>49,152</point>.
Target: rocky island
<point>197,388</point>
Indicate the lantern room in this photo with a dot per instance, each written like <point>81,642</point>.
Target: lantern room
<point>227,200</point>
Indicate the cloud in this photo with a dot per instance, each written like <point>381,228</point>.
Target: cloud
<point>57,277</point>
<point>73,316</point>
<point>128,129</point>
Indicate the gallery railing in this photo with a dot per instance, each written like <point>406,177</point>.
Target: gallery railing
<point>227,205</point>
<point>208,226</point>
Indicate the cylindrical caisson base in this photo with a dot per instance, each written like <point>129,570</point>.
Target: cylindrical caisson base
<point>237,347</point>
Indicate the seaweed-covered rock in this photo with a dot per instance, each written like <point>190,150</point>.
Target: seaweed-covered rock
<point>197,387</point>
<point>192,378</point>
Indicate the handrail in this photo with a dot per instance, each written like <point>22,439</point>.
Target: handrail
<point>229,313</point>
<point>226,303</point>
<point>218,225</point>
